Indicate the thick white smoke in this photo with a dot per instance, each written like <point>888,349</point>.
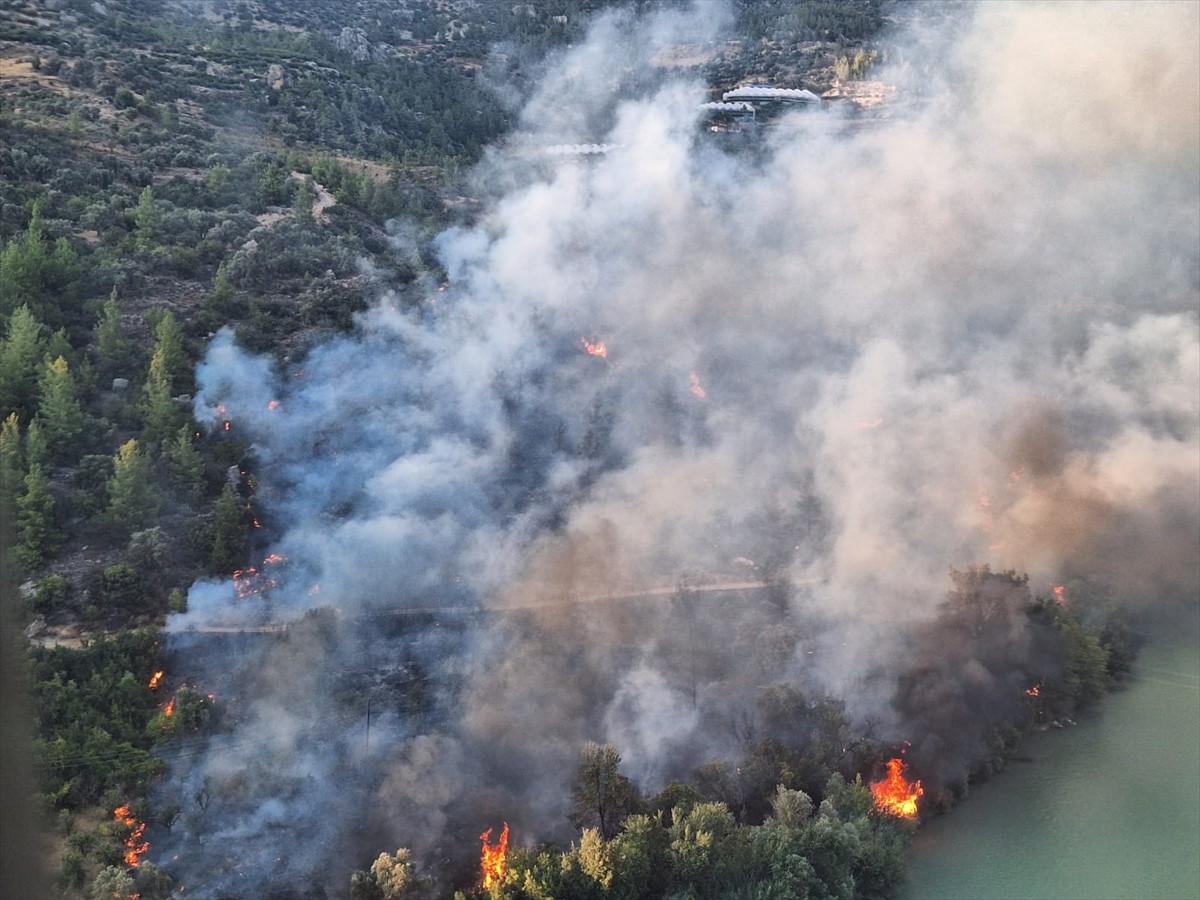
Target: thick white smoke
<point>965,332</point>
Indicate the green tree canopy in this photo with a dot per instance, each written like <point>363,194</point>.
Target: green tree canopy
<point>114,351</point>
<point>160,416</point>
<point>12,466</point>
<point>601,795</point>
<point>35,519</point>
<point>229,533</point>
<point>20,358</point>
<point>133,502</point>
<point>35,273</point>
<point>147,219</point>
<point>59,413</point>
<point>36,447</point>
<point>114,883</point>
<point>186,464</point>
<point>168,345</point>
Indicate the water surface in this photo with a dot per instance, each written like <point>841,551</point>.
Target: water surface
<point>1107,809</point>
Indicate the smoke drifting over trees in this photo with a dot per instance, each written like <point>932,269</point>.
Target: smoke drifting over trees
<point>962,334</point>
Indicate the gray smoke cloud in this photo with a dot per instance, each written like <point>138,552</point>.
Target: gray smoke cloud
<point>857,354</point>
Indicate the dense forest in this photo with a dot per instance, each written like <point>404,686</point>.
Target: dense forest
<point>169,169</point>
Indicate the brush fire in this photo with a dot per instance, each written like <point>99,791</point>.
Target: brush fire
<point>494,860</point>
<point>599,348</point>
<point>135,847</point>
<point>519,550</point>
<point>895,794</point>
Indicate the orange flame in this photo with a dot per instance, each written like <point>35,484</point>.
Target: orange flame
<point>1060,595</point>
<point>596,349</point>
<point>494,860</point>
<point>245,582</point>
<point>1035,691</point>
<point>865,426</point>
<point>273,405</point>
<point>169,709</point>
<point>251,581</point>
<point>694,385</point>
<point>155,679</point>
<point>135,847</point>
<point>896,795</point>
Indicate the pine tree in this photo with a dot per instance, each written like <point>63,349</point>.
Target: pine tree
<point>114,351</point>
<point>37,451</point>
<point>272,186</point>
<point>35,273</point>
<point>305,198</point>
<point>59,414</point>
<point>168,338</point>
<point>20,356</point>
<point>11,467</point>
<point>160,416</point>
<point>229,533</point>
<point>22,262</point>
<point>35,519</point>
<point>58,344</point>
<point>187,466</point>
<point>133,502</point>
<point>147,218</point>
<point>221,291</point>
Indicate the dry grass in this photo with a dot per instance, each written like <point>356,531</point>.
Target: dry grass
<point>13,70</point>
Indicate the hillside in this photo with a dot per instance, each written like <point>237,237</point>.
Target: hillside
<point>170,167</point>
<point>516,450</point>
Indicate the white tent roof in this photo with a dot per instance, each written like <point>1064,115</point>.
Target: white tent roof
<point>756,92</point>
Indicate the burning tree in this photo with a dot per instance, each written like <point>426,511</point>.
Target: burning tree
<point>494,857</point>
<point>135,846</point>
<point>895,794</point>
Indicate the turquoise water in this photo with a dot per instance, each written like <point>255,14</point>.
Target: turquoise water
<point>1107,809</point>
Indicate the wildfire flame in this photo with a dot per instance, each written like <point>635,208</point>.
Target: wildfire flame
<point>252,580</point>
<point>694,385</point>
<point>494,860</point>
<point>1060,595</point>
<point>1034,691</point>
<point>245,582</point>
<point>169,709</point>
<point>155,679</point>
<point>596,349</point>
<point>135,847</point>
<point>865,426</point>
<point>895,794</point>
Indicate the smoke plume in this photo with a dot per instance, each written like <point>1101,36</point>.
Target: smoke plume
<point>844,358</point>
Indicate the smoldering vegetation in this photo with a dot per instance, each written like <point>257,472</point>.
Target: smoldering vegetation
<point>962,333</point>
